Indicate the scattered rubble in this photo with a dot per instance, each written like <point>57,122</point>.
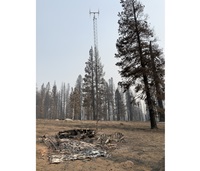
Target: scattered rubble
<point>76,150</point>
<point>79,144</point>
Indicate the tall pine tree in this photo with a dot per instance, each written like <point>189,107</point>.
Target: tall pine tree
<point>89,88</point>
<point>132,44</point>
<point>93,86</point>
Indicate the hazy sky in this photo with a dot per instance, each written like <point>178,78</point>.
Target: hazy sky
<point>64,35</point>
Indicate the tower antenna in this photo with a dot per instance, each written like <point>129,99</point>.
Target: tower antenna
<point>95,28</point>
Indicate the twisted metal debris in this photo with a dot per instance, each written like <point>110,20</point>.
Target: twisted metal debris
<point>73,145</point>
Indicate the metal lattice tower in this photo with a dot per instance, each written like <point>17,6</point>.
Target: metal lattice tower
<point>96,56</point>
<point>95,31</point>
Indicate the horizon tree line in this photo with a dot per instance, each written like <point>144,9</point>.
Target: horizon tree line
<point>73,103</point>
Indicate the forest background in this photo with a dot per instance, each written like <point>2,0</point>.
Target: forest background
<point>18,51</point>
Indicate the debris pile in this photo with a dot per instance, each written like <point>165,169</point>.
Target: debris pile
<point>80,144</point>
<point>76,134</point>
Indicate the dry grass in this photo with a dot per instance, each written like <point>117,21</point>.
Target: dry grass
<point>143,150</point>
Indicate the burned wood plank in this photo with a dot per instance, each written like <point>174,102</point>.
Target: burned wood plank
<point>76,133</point>
<point>50,142</point>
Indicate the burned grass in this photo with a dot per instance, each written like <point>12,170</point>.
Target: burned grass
<point>142,151</point>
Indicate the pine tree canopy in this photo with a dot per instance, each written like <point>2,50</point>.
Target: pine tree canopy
<point>135,34</point>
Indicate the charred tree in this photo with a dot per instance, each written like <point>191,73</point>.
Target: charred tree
<point>134,35</point>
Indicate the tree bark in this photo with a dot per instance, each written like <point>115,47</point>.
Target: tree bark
<point>158,91</point>
<point>147,90</point>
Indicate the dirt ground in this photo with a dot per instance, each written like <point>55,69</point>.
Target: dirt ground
<point>144,149</point>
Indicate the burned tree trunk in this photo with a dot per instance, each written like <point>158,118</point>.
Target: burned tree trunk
<point>145,79</point>
<point>159,93</point>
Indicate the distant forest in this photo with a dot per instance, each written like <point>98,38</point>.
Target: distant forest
<point>74,103</point>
